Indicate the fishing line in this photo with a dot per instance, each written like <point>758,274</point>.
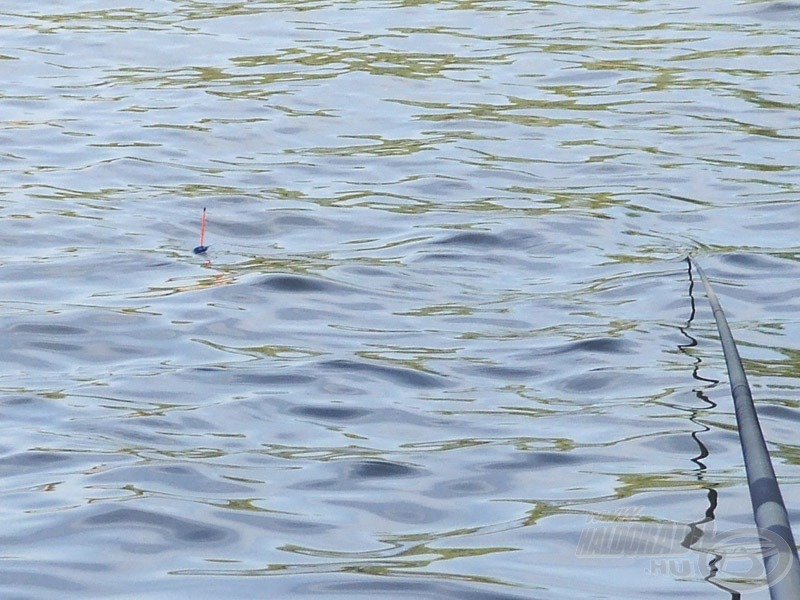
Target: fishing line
<point>697,530</point>
<point>778,549</point>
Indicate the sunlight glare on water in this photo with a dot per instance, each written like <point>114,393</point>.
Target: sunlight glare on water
<point>443,340</point>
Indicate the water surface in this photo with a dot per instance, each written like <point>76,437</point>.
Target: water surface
<point>444,331</point>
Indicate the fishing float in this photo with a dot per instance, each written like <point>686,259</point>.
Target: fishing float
<point>201,248</point>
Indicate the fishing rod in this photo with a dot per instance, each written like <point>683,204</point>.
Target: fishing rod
<point>778,549</point>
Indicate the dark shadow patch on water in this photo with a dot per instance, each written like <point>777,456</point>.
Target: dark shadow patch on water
<point>465,487</point>
<point>347,475</point>
<point>513,238</point>
<point>594,346</point>
<point>29,580</point>
<point>300,284</point>
<point>407,513</point>
<point>55,346</point>
<point>507,374</point>
<point>32,461</point>
<point>400,375</point>
<point>779,413</point>
<point>748,261</point>
<point>510,249</point>
<point>677,444</point>
<point>36,328</point>
<point>535,460</point>
<point>586,383</point>
<point>284,222</point>
<point>207,369</point>
<point>23,401</point>
<point>269,380</point>
<point>329,413</point>
<point>274,524</point>
<point>180,529</point>
<point>300,314</point>
<point>172,477</point>
<point>474,239</point>
<point>335,415</point>
<point>369,469</point>
<point>778,10</point>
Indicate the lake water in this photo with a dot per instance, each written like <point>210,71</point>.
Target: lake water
<point>444,339</point>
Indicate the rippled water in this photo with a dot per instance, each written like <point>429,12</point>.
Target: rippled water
<point>444,330</point>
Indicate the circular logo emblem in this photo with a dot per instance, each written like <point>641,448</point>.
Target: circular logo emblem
<point>744,559</point>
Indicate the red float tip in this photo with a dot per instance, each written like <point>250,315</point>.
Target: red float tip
<point>203,228</point>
